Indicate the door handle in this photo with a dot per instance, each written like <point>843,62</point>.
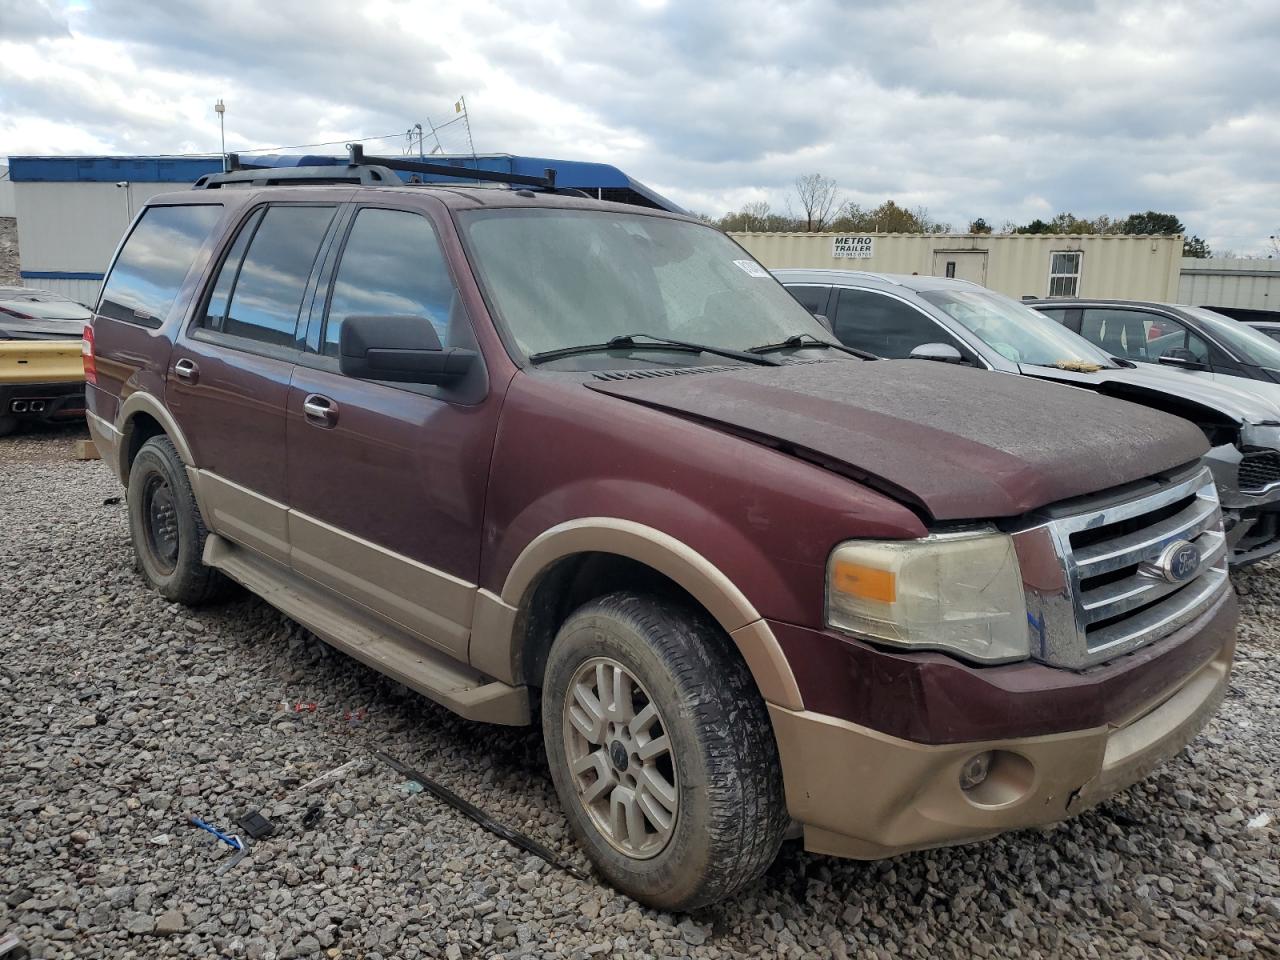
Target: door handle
<point>320,410</point>
<point>186,370</point>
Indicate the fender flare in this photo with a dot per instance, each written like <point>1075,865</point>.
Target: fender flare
<point>142,402</point>
<point>680,563</point>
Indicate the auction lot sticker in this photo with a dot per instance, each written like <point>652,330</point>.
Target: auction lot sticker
<point>855,248</point>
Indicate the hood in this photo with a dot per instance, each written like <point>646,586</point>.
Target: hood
<point>961,444</point>
<point>1249,401</point>
<point>27,314</point>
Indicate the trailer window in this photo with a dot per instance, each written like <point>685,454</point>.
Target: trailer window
<point>1064,273</point>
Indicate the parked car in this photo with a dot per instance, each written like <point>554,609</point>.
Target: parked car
<point>1270,328</point>
<point>41,377</point>
<point>957,321</point>
<point>1194,339</point>
<point>551,459</point>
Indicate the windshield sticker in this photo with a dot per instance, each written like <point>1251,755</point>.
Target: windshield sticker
<point>751,268</point>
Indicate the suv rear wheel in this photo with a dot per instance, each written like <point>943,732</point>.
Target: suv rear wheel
<point>165,525</point>
<point>661,751</point>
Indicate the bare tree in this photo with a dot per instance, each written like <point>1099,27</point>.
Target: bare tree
<point>817,195</point>
<point>755,215</point>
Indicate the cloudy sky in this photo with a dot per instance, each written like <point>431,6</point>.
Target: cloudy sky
<point>988,108</point>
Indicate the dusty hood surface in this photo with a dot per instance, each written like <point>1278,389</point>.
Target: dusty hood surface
<point>961,443</point>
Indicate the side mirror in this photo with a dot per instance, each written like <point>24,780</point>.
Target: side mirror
<point>403,349</point>
<point>941,352</point>
<point>826,323</point>
<point>1182,357</point>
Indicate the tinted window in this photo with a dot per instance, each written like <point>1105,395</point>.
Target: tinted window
<point>885,326</point>
<point>154,262</point>
<point>392,265</point>
<point>1057,316</point>
<point>263,286</point>
<point>1139,336</point>
<point>813,299</point>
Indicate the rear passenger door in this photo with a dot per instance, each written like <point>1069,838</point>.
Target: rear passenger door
<point>229,374</point>
<point>387,480</point>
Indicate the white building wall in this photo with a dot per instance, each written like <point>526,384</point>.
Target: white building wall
<point>74,227</point>
<point>1227,282</point>
<point>1119,266</point>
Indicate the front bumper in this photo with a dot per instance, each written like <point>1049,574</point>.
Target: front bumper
<point>865,794</point>
<point>1251,516</point>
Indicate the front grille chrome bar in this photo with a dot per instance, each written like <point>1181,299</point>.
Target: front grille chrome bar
<point>1111,595</point>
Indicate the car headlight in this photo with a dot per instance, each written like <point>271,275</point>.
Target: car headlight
<point>959,592</point>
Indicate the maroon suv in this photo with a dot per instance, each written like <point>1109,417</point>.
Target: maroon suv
<point>548,459</point>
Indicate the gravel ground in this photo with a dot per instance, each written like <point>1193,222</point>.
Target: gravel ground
<point>124,714</point>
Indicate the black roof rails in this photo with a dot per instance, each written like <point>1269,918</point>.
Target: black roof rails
<point>366,171</point>
<point>239,173</point>
<point>546,182</point>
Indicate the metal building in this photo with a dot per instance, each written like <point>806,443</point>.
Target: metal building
<point>1034,265</point>
<point>72,211</point>
<point>1244,289</point>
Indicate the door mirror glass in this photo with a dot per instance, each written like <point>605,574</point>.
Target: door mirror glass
<point>399,348</point>
<point>1182,357</point>
<point>941,352</point>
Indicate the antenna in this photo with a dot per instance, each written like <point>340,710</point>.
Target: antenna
<point>461,107</point>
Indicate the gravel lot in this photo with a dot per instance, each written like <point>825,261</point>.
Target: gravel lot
<point>123,715</point>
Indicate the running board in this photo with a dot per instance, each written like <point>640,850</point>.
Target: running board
<point>384,647</point>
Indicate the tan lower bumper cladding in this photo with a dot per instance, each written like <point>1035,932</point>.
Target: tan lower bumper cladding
<point>866,795</point>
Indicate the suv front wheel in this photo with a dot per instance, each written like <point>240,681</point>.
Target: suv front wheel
<point>661,751</point>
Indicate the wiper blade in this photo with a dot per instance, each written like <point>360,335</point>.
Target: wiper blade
<point>809,340</point>
<point>627,341</point>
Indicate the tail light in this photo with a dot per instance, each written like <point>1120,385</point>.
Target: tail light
<point>87,355</point>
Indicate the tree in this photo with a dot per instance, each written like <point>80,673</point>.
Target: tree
<point>1195,247</point>
<point>817,195</point>
<point>979,226</point>
<point>1151,222</point>
<point>889,217</point>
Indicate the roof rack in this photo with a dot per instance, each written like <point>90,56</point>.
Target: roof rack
<point>365,171</point>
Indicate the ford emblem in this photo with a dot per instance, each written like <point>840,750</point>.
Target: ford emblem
<point>1178,562</point>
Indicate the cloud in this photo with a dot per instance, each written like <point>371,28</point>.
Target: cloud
<point>994,108</point>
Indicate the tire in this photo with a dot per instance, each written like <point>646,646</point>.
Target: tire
<point>166,528</point>
<point>729,814</point>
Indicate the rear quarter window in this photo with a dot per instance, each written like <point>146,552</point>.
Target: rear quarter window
<point>154,261</point>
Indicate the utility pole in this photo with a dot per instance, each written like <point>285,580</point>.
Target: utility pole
<point>220,108</point>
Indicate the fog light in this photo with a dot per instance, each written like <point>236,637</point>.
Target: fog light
<point>975,770</point>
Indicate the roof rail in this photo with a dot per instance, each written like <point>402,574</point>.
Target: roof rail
<point>364,171</point>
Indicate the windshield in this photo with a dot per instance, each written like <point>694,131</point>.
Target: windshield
<point>1248,344</point>
<point>561,278</point>
<point>1016,332</point>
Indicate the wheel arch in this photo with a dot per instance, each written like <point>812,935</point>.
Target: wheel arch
<point>580,559</point>
<point>143,416</point>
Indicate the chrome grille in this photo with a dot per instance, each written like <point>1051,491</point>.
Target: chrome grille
<point>1115,597</point>
<point>1259,469</point>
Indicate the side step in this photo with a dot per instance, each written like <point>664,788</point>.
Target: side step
<point>382,646</point>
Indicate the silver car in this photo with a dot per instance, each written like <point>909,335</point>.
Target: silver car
<point>955,321</point>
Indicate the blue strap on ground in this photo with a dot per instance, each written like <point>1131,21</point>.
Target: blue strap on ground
<point>234,842</point>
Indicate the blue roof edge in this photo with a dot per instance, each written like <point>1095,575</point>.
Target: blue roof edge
<point>583,174</point>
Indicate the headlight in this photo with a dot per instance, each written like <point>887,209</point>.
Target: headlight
<point>956,592</point>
